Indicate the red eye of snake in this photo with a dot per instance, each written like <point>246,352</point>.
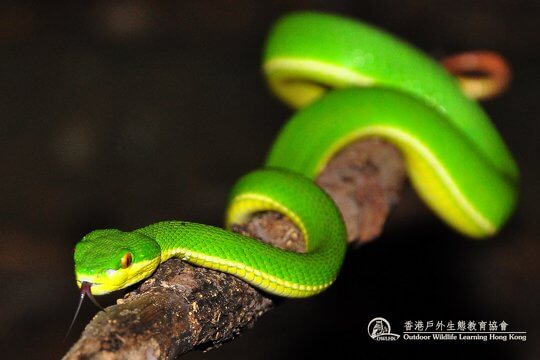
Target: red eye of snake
<point>127,259</point>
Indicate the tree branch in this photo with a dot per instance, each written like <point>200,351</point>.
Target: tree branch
<point>182,307</point>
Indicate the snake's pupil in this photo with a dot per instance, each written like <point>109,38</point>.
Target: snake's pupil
<point>127,259</point>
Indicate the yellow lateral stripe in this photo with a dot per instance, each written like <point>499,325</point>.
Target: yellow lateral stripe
<point>392,133</point>
<point>337,72</point>
<point>300,81</point>
<point>252,275</point>
<point>236,214</point>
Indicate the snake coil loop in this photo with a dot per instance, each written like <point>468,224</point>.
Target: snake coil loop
<point>349,80</point>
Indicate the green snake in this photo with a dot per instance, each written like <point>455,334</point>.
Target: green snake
<point>350,80</point>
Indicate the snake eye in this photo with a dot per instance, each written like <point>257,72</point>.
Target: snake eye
<point>127,259</point>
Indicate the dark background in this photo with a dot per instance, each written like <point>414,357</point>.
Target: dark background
<point>120,114</point>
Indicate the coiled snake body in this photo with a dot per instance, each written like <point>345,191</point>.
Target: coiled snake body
<point>351,81</point>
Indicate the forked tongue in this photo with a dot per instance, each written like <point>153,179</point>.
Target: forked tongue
<point>85,290</point>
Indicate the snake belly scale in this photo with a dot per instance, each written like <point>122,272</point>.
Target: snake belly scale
<point>349,80</point>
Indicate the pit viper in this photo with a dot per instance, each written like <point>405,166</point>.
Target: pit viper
<point>349,80</point>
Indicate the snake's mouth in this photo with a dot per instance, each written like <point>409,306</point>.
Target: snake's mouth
<point>86,289</point>
<point>81,282</point>
<point>99,284</point>
<point>107,281</point>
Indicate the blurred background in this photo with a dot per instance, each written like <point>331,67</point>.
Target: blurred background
<point>123,113</point>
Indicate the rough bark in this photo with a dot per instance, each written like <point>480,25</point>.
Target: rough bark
<point>182,307</point>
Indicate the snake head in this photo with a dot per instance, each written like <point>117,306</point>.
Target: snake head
<point>111,259</point>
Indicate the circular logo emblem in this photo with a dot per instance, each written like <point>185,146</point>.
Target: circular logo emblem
<point>379,329</point>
